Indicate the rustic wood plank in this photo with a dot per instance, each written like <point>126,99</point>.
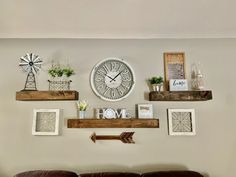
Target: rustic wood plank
<point>113,123</point>
<point>47,95</point>
<point>180,96</point>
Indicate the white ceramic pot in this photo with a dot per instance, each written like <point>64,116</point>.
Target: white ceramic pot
<point>81,114</point>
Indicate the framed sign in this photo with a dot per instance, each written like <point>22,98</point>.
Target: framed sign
<point>178,85</point>
<point>46,122</point>
<point>174,67</point>
<point>181,121</point>
<point>145,111</point>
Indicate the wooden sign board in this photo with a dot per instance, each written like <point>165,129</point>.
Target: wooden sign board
<point>174,67</point>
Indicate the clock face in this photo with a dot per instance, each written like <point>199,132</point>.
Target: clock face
<point>112,79</point>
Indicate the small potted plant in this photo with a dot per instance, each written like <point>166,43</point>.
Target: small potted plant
<point>60,77</point>
<point>156,82</point>
<point>81,108</point>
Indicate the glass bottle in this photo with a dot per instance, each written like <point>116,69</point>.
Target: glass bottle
<point>196,78</point>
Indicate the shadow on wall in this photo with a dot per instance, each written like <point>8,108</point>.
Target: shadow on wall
<point>1,173</point>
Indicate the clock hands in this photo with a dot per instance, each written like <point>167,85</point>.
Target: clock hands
<point>113,79</point>
<point>103,74</point>
<point>109,76</point>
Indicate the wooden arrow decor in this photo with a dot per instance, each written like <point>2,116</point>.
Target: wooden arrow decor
<point>125,137</point>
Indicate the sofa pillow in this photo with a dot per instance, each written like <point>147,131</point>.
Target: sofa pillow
<point>172,174</point>
<point>47,173</point>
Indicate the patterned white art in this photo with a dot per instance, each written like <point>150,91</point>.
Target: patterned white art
<point>181,121</point>
<point>46,122</point>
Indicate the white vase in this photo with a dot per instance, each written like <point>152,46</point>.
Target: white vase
<point>81,114</point>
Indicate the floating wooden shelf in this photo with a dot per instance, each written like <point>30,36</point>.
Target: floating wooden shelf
<point>47,95</point>
<point>113,123</point>
<point>180,96</point>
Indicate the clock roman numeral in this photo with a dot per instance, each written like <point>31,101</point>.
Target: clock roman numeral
<point>120,67</point>
<point>101,86</point>
<point>113,93</point>
<point>105,67</point>
<point>113,66</point>
<point>120,91</point>
<point>125,86</point>
<point>101,72</point>
<point>106,90</point>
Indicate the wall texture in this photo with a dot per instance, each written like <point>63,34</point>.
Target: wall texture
<point>212,151</point>
<point>117,19</point>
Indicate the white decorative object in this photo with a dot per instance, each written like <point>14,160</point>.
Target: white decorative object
<point>196,78</point>
<point>181,121</point>
<point>178,85</point>
<point>145,111</point>
<point>121,113</point>
<point>81,114</point>
<point>157,87</point>
<point>110,113</point>
<point>46,122</point>
<point>31,64</point>
<point>81,108</point>
<point>112,79</point>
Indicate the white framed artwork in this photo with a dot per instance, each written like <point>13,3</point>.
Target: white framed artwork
<point>145,111</point>
<point>45,122</point>
<point>181,122</point>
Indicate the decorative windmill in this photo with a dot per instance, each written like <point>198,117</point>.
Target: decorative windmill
<point>31,64</point>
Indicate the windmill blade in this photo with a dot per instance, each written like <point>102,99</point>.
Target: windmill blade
<point>31,56</point>
<point>38,62</point>
<point>24,59</point>
<point>23,64</point>
<point>37,67</point>
<point>33,70</point>
<point>26,68</point>
<point>28,56</point>
<point>36,59</point>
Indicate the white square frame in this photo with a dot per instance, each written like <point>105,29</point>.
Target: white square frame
<point>35,116</point>
<point>148,114</point>
<point>170,122</point>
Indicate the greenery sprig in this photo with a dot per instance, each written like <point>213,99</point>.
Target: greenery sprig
<point>58,71</point>
<point>156,80</point>
<point>82,105</point>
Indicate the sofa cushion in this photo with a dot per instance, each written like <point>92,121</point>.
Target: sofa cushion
<point>47,173</point>
<point>110,174</point>
<point>172,174</point>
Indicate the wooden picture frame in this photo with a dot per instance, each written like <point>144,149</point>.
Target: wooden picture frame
<point>145,111</point>
<point>45,122</point>
<point>181,122</point>
<point>174,67</point>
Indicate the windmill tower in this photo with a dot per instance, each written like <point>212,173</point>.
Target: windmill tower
<point>31,64</point>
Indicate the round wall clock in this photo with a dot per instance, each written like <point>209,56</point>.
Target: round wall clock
<point>112,79</point>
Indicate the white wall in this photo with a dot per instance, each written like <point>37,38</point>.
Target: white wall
<point>212,151</point>
<point>117,19</point>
